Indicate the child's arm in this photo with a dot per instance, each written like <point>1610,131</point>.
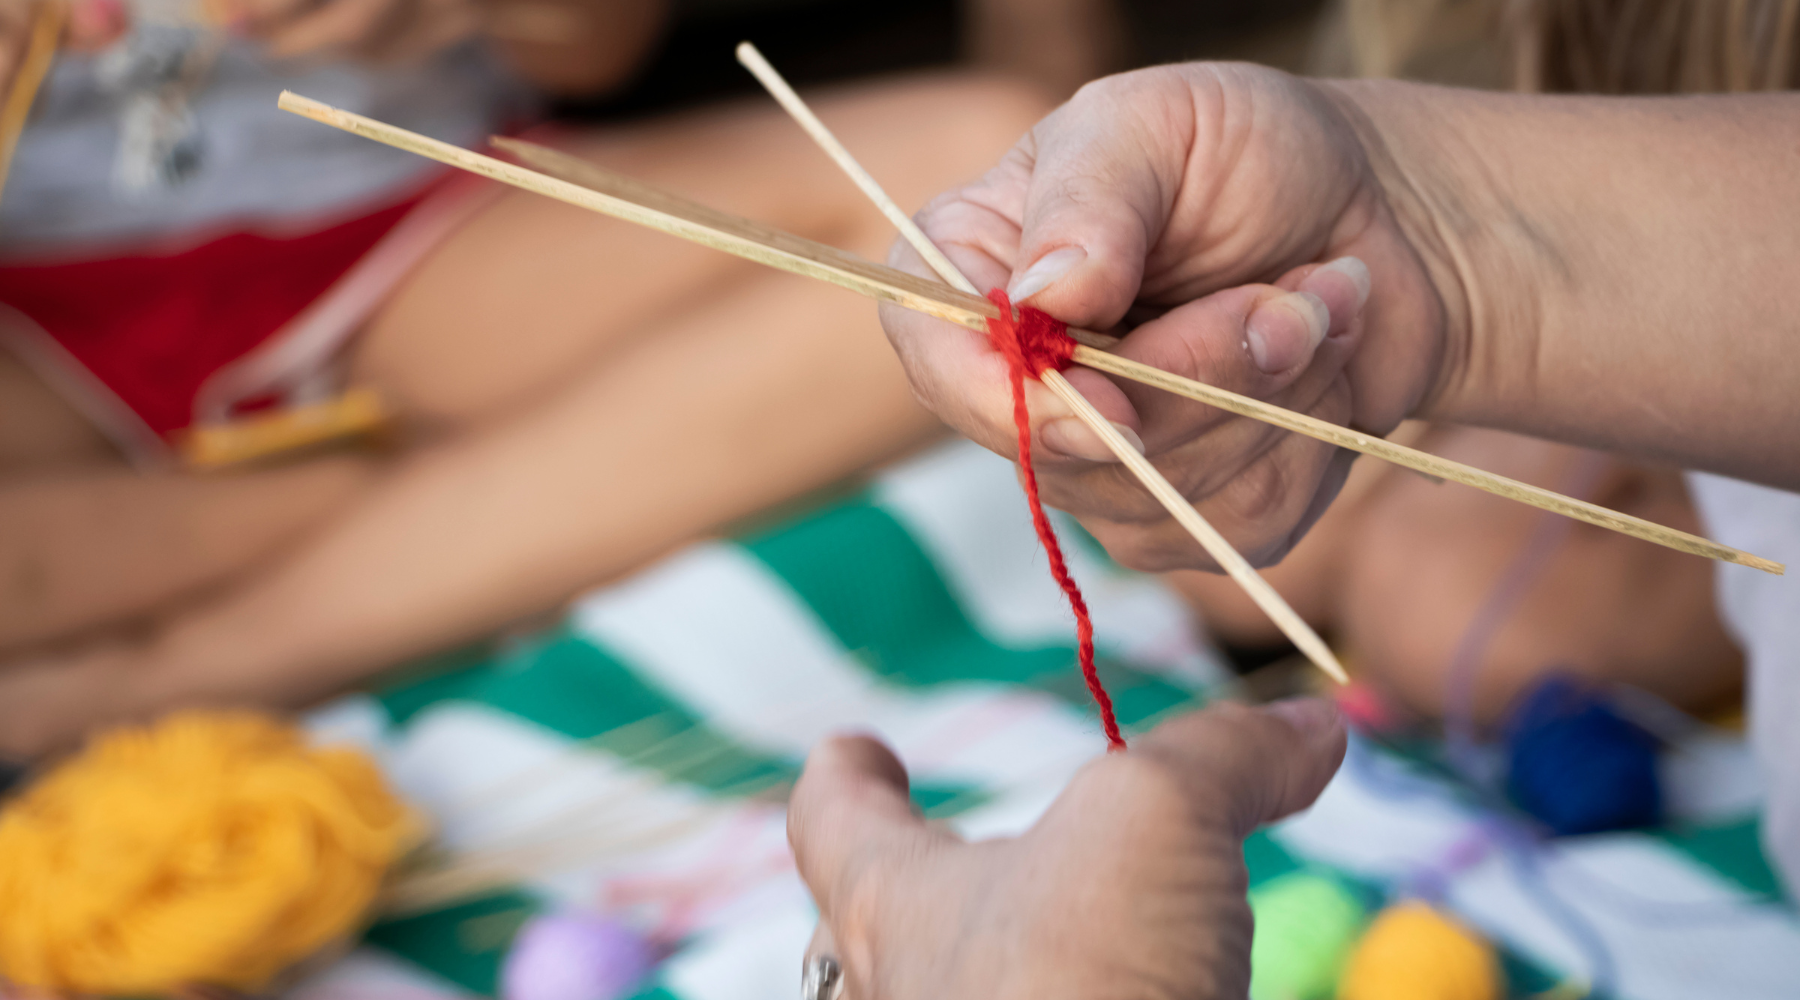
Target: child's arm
<point>564,46</point>
<point>575,47</point>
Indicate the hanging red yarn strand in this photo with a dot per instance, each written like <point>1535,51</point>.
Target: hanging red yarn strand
<point>1031,344</point>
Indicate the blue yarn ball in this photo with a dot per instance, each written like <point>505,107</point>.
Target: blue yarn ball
<point>1578,766</point>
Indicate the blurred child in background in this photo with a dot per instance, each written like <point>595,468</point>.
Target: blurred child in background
<point>576,397</point>
<point>571,395</point>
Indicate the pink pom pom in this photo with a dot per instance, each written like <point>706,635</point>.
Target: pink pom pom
<point>1366,709</point>
<point>575,956</point>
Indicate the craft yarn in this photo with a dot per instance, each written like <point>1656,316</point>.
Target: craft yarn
<point>1032,344</point>
<point>210,849</point>
<point>575,956</point>
<point>1413,952</point>
<point>1305,927</point>
<point>1578,766</point>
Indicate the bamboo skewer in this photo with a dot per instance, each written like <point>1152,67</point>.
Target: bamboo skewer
<point>577,182</point>
<point>1424,462</point>
<point>608,193</point>
<point>967,310</point>
<point>34,65</point>
<point>752,60</point>
<point>1184,513</point>
<point>1229,559</point>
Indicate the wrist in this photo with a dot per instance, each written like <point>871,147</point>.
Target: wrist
<point>1482,262</point>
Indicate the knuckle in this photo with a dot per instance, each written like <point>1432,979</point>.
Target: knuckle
<point>1153,555</point>
<point>1140,788</point>
<point>1259,494</point>
<point>1156,548</point>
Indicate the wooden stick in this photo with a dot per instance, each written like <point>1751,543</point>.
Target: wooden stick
<point>1228,558</point>
<point>569,179</point>
<point>755,241</point>
<point>967,310</point>
<point>778,88</point>
<point>40,52</point>
<point>607,193</point>
<point>1423,462</point>
<point>1214,544</point>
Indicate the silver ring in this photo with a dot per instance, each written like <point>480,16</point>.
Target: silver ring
<point>823,979</point>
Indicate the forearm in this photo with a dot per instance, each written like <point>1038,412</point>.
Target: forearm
<point>576,47</point>
<point>1615,272</point>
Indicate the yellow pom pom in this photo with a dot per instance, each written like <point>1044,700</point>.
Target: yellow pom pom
<point>210,849</point>
<point>1413,952</point>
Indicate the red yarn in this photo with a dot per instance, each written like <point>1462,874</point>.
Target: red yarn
<point>1032,343</point>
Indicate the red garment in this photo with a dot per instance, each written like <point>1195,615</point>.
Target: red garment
<point>154,327</point>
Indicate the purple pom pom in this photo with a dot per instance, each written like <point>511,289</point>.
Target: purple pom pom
<point>575,956</point>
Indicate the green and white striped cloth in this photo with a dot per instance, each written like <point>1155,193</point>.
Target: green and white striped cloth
<point>633,759</point>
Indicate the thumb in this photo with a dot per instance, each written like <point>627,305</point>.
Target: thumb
<point>1106,167</point>
<point>858,844</point>
<point>1251,766</point>
<point>850,805</point>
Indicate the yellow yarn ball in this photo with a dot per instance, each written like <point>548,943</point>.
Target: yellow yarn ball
<point>210,849</point>
<point>1413,952</point>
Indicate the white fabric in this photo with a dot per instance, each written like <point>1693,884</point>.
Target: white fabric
<point>260,168</point>
<point>1763,613</point>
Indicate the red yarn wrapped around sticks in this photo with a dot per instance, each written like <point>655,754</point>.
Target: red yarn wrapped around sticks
<point>1032,344</point>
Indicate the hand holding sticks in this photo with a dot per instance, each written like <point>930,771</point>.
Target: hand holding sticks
<point>1215,545</point>
<point>569,179</point>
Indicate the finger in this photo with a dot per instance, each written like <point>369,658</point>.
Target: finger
<point>855,836</point>
<point>1290,347</point>
<point>1107,166</point>
<point>1280,345</point>
<point>1262,511</point>
<point>1257,340</point>
<point>1343,284</point>
<point>958,374</point>
<point>851,801</point>
<point>1249,766</point>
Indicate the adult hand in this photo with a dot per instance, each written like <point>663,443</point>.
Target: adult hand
<point>1131,884</point>
<point>1157,196</point>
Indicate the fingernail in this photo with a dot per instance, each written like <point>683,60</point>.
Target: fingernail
<point>1045,272</point>
<point>1311,716</point>
<point>1354,269</point>
<point>1284,330</point>
<point>1071,438</point>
